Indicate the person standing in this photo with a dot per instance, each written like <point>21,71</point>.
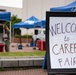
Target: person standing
<point>6,38</point>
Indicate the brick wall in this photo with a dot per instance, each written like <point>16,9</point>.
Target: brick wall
<point>23,40</point>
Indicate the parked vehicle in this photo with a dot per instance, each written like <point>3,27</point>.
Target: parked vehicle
<point>39,34</point>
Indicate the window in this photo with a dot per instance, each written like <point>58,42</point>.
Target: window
<point>1,29</point>
<point>44,31</point>
<point>39,31</point>
<point>3,10</point>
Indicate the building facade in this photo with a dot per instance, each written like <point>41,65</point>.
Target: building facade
<point>38,8</point>
<point>13,10</point>
<point>35,8</point>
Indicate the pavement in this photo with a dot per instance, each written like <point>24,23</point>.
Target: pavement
<point>17,62</point>
<point>24,72</point>
<point>37,71</point>
<point>25,48</point>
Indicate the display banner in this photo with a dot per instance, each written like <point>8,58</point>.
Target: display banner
<point>61,42</point>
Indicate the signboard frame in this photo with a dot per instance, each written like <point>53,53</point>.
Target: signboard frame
<point>49,69</point>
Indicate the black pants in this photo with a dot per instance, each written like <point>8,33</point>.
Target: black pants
<point>7,45</point>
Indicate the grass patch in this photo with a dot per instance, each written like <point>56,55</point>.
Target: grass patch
<point>41,53</point>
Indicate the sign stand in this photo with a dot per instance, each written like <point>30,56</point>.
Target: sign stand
<point>61,42</point>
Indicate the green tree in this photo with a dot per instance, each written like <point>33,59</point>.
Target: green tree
<point>14,19</point>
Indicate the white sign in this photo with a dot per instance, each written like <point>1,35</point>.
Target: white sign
<point>62,37</point>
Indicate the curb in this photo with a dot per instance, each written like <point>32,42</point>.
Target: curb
<point>21,61</point>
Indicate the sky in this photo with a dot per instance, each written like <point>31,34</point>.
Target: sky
<point>11,3</point>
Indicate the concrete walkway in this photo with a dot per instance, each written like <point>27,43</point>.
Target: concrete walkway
<point>14,48</point>
<point>18,61</point>
<point>24,72</point>
<point>38,71</point>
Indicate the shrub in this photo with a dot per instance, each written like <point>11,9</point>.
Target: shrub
<point>23,36</point>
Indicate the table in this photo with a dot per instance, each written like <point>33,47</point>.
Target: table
<point>2,47</point>
<point>41,44</point>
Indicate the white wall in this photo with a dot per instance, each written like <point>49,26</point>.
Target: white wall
<point>35,8</point>
<point>14,11</point>
<point>25,31</point>
<point>38,8</point>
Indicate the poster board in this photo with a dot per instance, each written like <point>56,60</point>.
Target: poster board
<point>61,42</point>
